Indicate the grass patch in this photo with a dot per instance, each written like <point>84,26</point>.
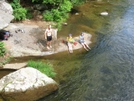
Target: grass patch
<point>45,68</point>
<point>2,49</point>
<point>4,55</point>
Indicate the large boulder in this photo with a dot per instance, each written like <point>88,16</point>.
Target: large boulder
<point>26,84</point>
<point>5,14</point>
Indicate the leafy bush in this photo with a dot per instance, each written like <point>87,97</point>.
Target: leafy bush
<point>29,15</point>
<point>58,14</point>
<point>2,49</point>
<point>18,11</point>
<point>20,14</point>
<point>53,15</point>
<point>78,2</point>
<point>45,68</point>
<point>48,15</point>
<point>65,6</point>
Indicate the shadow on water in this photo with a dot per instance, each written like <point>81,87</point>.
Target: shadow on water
<point>106,72</point>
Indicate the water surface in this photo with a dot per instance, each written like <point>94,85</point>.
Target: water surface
<point>106,72</point>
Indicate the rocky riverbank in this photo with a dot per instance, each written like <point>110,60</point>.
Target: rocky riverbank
<point>30,41</point>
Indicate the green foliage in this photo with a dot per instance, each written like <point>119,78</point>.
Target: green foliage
<point>78,2</point>
<point>57,10</point>
<point>65,6</point>
<point>18,11</point>
<point>59,25</point>
<point>36,0</point>
<point>55,15</point>
<point>58,2</point>
<point>59,14</point>
<point>15,4</point>
<point>53,2</point>
<point>6,60</point>
<point>48,15</point>
<point>2,49</point>
<point>29,14</point>
<point>45,68</point>
<point>3,55</point>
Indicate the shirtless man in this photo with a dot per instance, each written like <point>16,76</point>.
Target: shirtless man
<point>48,36</point>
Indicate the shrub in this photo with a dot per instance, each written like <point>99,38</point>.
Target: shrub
<point>45,68</point>
<point>58,14</point>
<point>18,11</point>
<point>48,15</point>
<point>2,49</point>
<point>29,15</point>
<point>65,6</point>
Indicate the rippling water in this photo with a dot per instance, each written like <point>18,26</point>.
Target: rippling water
<point>107,71</point>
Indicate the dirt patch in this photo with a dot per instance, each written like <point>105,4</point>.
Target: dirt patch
<point>40,23</point>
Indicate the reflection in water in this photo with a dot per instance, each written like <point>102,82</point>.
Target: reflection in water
<point>106,73</point>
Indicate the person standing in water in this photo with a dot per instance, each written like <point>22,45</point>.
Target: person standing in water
<point>83,43</point>
<point>48,36</point>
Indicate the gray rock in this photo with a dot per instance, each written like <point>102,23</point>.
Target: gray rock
<point>6,7</point>
<point>5,14</point>
<point>26,84</point>
<point>15,66</point>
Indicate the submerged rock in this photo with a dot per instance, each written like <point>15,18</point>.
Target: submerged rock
<point>104,13</point>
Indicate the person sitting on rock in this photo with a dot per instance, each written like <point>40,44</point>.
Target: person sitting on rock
<point>4,35</point>
<point>83,43</point>
<point>70,42</point>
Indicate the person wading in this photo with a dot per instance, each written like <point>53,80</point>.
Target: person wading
<point>48,36</point>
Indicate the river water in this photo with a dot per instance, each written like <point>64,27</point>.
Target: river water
<point>107,71</point>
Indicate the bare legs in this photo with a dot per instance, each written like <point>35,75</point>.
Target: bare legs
<point>85,46</point>
<point>70,47</point>
<point>49,45</point>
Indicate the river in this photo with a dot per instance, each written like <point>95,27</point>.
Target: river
<point>106,72</point>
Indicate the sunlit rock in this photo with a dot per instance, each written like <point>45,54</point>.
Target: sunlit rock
<point>15,66</point>
<point>65,24</point>
<point>104,13</point>
<point>6,12</point>
<point>76,13</point>
<point>26,84</point>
